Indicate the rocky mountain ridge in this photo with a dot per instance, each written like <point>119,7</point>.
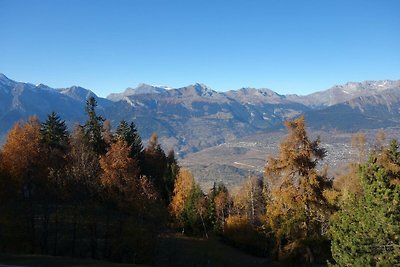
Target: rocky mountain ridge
<point>195,117</point>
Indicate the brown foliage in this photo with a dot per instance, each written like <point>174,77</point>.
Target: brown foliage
<point>349,183</point>
<point>358,142</point>
<point>22,152</point>
<point>83,164</point>
<point>119,170</point>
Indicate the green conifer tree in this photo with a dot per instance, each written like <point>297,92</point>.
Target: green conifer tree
<point>366,232</point>
<point>93,128</point>
<point>171,172</point>
<point>130,135</point>
<point>54,132</point>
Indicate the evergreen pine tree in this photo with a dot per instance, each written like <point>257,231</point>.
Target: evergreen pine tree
<point>171,172</point>
<point>55,142</point>
<point>130,135</point>
<point>155,166</point>
<point>366,232</point>
<point>93,127</point>
<point>194,211</point>
<point>54,132</point>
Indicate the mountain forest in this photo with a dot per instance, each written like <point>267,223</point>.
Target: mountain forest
<point>101,193</point>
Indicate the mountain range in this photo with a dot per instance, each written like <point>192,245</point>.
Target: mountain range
<point>195,117</point>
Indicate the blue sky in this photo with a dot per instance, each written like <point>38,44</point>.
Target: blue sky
<point>287,46</point>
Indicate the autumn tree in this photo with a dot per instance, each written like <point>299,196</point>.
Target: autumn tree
<point>188,206</point>
<point>243,226</point>
<point>119,170</point>
<point>358,142</point>
<point>83,185</point>
<point>250,201</point>
<point>220,205</point>
<point>83,164</point>
<point>22,157</point>
<point>298,210</point>
<point>183,186</point>
<point>380,139</point>
<point>11,221</point>
<point>348,183</point>
<point>68,195</point>
<point>120,180</point>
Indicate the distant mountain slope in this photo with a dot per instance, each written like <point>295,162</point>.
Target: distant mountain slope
<point>195,117</point>
<point>342,93</point>
<point>20,100</point>
<point>364,112</point>
<point>139,90</point>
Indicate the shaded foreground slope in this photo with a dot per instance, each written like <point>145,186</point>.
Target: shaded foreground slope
<point>178,250</point>
<point>173,250</point>
<point>51,261</point>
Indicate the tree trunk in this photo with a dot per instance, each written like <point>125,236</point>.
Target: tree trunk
<point>56,230</point>
<point>310,255</point>
<point>106,251</point>
<point>74,231</point>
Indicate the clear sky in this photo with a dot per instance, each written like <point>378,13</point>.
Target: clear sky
<point>287,46</point>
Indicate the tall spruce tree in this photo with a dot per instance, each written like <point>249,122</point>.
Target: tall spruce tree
<point>55,144</point>
<point>155,165</point>
<point>93,128</point>
<point>130,135</point>
<point>171,172</point>
<point>194,211</point>
<point>54,132</point>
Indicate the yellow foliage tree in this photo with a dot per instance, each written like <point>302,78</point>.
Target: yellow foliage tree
<point>183,185</point>
<point>298,210</point>
<point>249,202</point>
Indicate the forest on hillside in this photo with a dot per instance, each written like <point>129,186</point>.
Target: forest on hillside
<point>99,193</point>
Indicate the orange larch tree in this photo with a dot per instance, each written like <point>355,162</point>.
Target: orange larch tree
<point>297,209</point>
